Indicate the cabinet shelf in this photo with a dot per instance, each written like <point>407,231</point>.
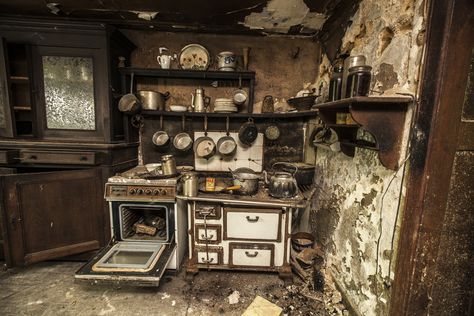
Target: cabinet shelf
<point>382,117</point>
<point>311,113</point>
<point>19,79</point>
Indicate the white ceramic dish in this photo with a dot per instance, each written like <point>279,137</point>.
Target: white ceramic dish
<point>178,108</point>
<point>153,166</point>
<point>194,57</point>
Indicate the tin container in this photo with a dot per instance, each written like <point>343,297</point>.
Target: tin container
<point>210,184</point>
<point>349,62</point>
<point>190,184</point>
<point>335,85</point>
<point>168,165</point>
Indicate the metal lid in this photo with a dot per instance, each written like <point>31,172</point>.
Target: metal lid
<point>166,157</point>
<point>364,68</point>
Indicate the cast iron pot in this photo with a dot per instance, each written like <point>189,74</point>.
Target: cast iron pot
<point>304,174</point>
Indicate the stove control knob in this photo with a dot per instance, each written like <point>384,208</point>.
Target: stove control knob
<point>156,192</point>
<point>139,191</point>
<point>132,191</point>
<point>147,191</point>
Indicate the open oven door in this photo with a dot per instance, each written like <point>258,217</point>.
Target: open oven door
<point>128,263</point>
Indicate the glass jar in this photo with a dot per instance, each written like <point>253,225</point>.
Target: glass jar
<point>358,81</point>
<point>335,85</point>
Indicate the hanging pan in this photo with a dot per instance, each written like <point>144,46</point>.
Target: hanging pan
<point>182,141</point>
<point>204,146</point>
<point>248,132</point>
<point>226,145</point>
<point>161,137</point>
<point>129,103</point>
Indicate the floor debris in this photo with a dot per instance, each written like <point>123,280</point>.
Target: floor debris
<point>234,297</point>
<point>262,307</point>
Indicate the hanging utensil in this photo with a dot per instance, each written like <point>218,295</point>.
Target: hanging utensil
<point>183,141</point>
<point>239,96</point>
<point>248,132</point>
<point>129,103</point>
<point>226,145</point>
<point>204,146</point>
<point>161,137</point>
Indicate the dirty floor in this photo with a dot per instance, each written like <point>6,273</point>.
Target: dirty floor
<point>49,289</point>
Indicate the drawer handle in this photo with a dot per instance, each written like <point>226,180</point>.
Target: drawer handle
<point>203,237</point>
<point>33,157</point>
<point>252,220</point>
<point>83,158</point>
<point>207,261</point>
<point>251,255</point>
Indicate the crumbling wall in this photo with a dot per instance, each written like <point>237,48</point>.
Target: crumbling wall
<point>359,200</point>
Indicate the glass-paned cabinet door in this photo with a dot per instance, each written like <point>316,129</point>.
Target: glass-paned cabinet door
<point>69,92</point>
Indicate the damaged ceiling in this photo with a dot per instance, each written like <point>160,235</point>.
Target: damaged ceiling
<point>284,17</point>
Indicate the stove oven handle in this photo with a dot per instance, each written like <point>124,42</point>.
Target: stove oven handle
<point>252,220</point>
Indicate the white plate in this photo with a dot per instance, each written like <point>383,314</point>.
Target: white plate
<point>195,57</point>
<point>225,110</point>
<point>178,108</point>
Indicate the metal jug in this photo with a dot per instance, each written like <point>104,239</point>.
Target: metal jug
<point>199,102</point>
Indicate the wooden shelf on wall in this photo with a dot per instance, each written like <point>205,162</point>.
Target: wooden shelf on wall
<point>382,117</point>
<point>295,114</point>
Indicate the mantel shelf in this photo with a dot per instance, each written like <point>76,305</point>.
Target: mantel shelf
<point>383,117</point>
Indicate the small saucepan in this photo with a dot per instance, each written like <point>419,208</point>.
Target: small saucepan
<point>204,146</point>
<point>182,141</point>
<point>239,95</point>
<point>161,137</point>
<point>226,145</point>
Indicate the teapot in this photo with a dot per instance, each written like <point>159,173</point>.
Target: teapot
<point>282,184</point>
<point>199,102</point>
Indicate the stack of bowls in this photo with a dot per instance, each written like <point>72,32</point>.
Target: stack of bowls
<point>223,105</point>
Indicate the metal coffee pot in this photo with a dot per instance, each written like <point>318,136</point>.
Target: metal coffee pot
<point>199,102</point>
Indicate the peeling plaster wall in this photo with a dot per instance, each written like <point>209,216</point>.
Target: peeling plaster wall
<point>359,200</point>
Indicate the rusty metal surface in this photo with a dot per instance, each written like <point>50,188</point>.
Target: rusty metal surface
<point>436,192</point>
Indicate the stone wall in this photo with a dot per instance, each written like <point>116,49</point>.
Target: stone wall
<point>359,202</point>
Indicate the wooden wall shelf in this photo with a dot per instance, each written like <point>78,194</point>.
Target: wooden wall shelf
<point>295,114</point>
<point>383,117</point>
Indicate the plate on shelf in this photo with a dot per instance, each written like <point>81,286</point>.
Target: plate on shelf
<point>225,109</point>
<point>194,57</point>
<point>178,108</point>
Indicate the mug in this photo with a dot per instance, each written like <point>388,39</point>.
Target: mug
<point>165,61</point>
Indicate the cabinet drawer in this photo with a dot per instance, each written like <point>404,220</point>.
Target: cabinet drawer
<point>212,211</point>
<point>247,224</point>
<point>9,156</point>
<point>59,157</point>
<point>251,255</point>
<point>213,235</point>
<point>215,255</point>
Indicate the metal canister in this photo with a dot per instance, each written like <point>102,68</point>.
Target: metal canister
<point>190,184</point>
<point>349,62</point>
<point>358,82</point>
<point>168,165</point>
<point>335,85</point>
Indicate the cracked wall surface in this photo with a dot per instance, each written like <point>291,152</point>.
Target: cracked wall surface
<point>359,200</point>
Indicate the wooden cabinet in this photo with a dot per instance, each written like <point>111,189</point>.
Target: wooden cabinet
<point>253,238</point>
<point>61,130</point>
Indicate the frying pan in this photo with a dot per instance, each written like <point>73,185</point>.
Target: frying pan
<point>183,141</point>
<point>248,132</point>
<point>204,146</point>
<point>129,103</point>
<point>226,145</point>
<point>160,138</point>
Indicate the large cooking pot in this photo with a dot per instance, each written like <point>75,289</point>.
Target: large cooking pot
<point>226,145</point>
<point>247,179</point>
<point>204,146</point>
<point>152,100</point>
<point>282,184</point>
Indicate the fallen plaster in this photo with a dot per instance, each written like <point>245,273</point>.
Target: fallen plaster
<point>280,15</point>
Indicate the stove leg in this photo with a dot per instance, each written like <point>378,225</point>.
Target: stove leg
<point>285,274</point>
<point>191,271</point>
